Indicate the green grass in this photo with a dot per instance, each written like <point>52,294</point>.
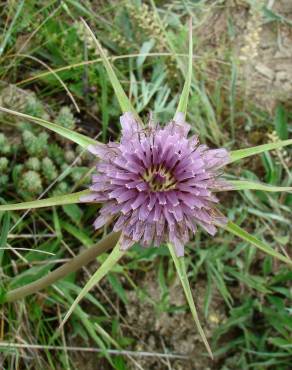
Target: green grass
<point>249,289</point>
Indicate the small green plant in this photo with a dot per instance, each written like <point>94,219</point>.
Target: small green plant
<point>5,147</point>
<point>43,159</point>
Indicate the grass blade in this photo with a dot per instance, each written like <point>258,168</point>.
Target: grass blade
<point>77,138</point>
<point>4,235</point>
<point>183,102</point>
<point>48,202</point>
<point>123,100</point>
<point>238,231</point>
<point>251,185</point>
<point>181,270</point>
<point>281,122</point>
<point>111,260</point>
<point>232,98</point>
<point>235,155</point>
<point>8,33</point>
<point>51,277</point>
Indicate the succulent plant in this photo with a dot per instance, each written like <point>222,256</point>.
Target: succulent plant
<point>61,188</point>
<point>49,170</point>
<point>3,181</point>
<point>33,164</point>
<point>3,165</point>
<point>31,184</point>
<point>5,147</point>
<point>66,118</point>
<point>56,153</point>
<point>35,145</point>
<point>35,107</point>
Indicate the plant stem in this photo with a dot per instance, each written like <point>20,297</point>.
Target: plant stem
<point>73,265</point>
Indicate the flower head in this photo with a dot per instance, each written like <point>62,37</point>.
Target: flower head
<point>157,184</point>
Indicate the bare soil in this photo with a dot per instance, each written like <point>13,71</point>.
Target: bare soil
<point>269,75</point>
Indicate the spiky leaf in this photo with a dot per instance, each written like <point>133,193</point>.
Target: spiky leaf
<point>48,202</point>
<point>77,138</point>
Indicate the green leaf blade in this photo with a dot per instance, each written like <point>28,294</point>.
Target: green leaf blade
<point>108,264</point>
<point>181,270</point>
<point>281,123</point>
<point>77,138</point>
<point>251,185</point>
<point>48,202</point>
<point>4,235</point>
<point>238,231</point>
<point>183,102</point>
<point>6,36</point>
<point>123,100</point>
<point>236,155</point>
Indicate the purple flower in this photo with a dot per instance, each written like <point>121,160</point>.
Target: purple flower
<point>157,184</point>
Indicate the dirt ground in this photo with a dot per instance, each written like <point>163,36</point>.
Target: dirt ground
<point>268,74</point>
<point>262,44</point>
<point>173,333</point>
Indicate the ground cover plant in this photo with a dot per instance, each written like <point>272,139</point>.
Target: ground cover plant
<point>241,292</point>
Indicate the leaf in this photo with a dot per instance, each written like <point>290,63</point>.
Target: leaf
<point>50,248</point>
<point>30,276</point>
<point>251,185</point>
<point>183,102</point>
<point>77,138</point>
<point>61,272</point>
<point>78,233</point>
<point>117,287</point>
<point>232,97</point>
<point>72,287</point>
<point>235,155</point>
<point>281,124</point>
<point>73,212</point>
<point>48,202</point>
<point>272,171</point>
<point>123,100</point>
<point>57,225</point>
<point>4,234</point>
<point>238,231</point>
<point>145,49</point>
<point>97,333</point>
<point>208,111</point>
<point>272,16</point>
<point>181,270</point>
<point>111,260</point>
<point>104,101</point>
<point>6,36</point>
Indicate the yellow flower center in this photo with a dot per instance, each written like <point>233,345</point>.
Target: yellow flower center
<point>159,178</point>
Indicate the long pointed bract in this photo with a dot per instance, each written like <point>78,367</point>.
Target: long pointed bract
<point>77,138</point>
<point>48,202</point>
<point>181,270</point>
<point>241,233</point>
<point>111,260</point>
<point>235,155</point>
<point>252,185</point>
<point>123,100</point>
<point>183,102</point>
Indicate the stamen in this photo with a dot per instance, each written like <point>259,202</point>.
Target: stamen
<point>159,178</point>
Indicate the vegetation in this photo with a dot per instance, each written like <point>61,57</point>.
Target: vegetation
<point>50,68</point>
